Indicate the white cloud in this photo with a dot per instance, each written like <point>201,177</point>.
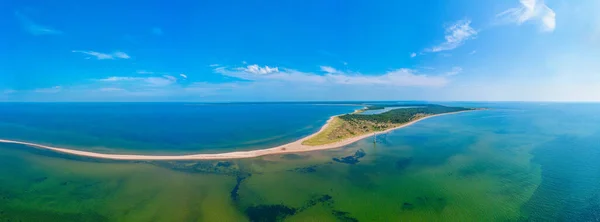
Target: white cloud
<point>530,10</point>
<point>285,84</point>
<point>454,71</point>
<point>34,28</point>
<point>54,89</point>
<point>101,56</point>
<point>160,81</point>
<point>399,77</point>
<point>157,31</point>
<point>119,78</point>
<point>285,75</point>
<point>328,69</point>
<point>171,78</point>
<point>183,75</point>
<point>473,52</point>
<point>412,55</point>
<point>456,35</point>
<point>345,63</point>
<point>244,62</point>
<point>259,70</point>
<point>164,80</point>
<point>214,65</point>
<point>121,55</point>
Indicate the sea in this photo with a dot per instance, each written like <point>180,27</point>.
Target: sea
<point>516,161</point>
<point>164,128</point>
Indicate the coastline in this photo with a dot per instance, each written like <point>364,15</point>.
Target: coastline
<point>293,147</point>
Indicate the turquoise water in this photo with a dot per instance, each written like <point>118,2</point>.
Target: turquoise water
<point>163,127</point>
<point>514,162</point>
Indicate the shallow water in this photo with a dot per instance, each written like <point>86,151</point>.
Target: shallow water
<point>385,109</point>
<point>516,162</point>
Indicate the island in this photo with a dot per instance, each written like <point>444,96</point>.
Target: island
<point>339,131</point>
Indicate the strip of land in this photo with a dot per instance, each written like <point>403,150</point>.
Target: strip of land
<point>293,147</point>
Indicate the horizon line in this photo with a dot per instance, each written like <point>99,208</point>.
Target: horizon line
<point>315,101</point>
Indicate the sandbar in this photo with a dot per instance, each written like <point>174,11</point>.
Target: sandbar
<point>293,147</point>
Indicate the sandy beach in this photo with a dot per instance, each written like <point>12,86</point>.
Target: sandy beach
<point>293,147</point>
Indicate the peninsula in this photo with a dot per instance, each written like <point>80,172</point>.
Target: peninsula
<point>337,132</point>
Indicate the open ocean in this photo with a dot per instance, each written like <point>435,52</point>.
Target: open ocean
<point>514,162</point>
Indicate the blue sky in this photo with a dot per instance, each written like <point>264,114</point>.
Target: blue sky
<point>511,50</point>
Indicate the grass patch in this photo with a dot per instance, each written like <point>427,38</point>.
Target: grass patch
<point>323,137</point>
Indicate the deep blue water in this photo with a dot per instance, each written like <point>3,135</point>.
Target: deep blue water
<point>163,127</point>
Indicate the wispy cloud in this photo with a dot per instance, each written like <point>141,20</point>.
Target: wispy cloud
<point>214,65</point>
<point>473,52</point>
<point>164,80</point>
<point>253,75</point>
<point>8,91</point>
<point>34,28</point>
<point>157,31</point>
<point>412,55</point>
<point>119,79</point>
<point>329,69</point>
<point>161,81</point>
<point>183,75</point>
<point>54,89</point>
<point>101,56</point>
<point>143,72</point>
<point>121,55</point>
<point>530,10</point>
<point>111,89</point>
<point>456,35</point>
<point>259,70</point>
<point>454,71</point>
<point>399,77</point>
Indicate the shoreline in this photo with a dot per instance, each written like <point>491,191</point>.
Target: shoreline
<point>293,147</point>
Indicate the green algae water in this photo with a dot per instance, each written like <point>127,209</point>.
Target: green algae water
<point>515,162</point>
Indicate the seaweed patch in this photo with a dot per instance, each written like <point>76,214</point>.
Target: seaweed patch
<point>224,164</point>
<point>408,206</point>
<point>325,199</point>
<point>293,156</point>
<point>354,159</point>
<point>343,216</point>
<point>208,167</point>
<point>234,192</point>
<point>268,213</point>
<point>308,169</point>
<point>402,163</point>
